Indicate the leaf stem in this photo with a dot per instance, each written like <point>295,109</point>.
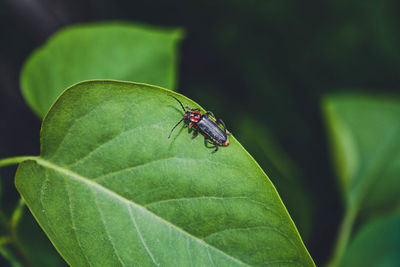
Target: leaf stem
<point>6,253</point>
<point>13,226</point>
<point>15,160</point>
<point>343,236</point>
<point>17,214</point>
<point>13,238</point>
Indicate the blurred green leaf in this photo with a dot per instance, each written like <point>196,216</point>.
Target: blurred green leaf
<point>8,255</point>
<point>365,137</point>
<point>110,188</point>
<point>24,243</point>
<point>36,245</point>
<point>377,244</point>
<point>282,171</point>
<point>118,51</point>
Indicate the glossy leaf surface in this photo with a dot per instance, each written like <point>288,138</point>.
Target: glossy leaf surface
<point>110,188</point>
<point>118,51</point>
<point>365,135</point>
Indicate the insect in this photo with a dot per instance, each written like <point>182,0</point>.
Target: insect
<point>202,123</point>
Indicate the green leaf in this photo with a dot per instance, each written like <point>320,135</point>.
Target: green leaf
<point>376,244</point>
<point>365,135</point>
<point>284,173</point>
<point>9,255</point>
<point>110,188</point>
<point>365,139</point>
<point>119,51</point>
<point>36,246</point>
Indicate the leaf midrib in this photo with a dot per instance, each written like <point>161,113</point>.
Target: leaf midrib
<point>50,165</point>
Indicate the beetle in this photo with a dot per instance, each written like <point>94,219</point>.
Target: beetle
<point>204,124</point>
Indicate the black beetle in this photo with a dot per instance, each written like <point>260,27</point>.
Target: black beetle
<point>205,125</point>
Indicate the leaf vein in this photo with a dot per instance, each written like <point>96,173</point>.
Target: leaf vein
<point>188,251</point>
<point>108,142</point>
<point>102,177</point>
<point>141,237</point>
<point>99,178</point>
<point>107,191</point>
<point>68,131</point>
<point>106,228</point>
<point>193,198</point>
<point>214,198</point>
<point>41,197</point>
<point>73,221</point>
<point>210,258</point>
<point>241,229</point>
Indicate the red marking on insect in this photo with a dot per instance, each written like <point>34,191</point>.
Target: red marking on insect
<point>195,116</point>
<point>204,124</point>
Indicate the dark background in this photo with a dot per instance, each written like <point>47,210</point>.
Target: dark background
<point>270,60</point>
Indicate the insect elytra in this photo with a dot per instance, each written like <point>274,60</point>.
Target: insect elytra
<point>204,124</point>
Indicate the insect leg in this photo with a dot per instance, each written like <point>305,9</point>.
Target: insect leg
<point>196,131</point>
<point>223,125</point>
<point>210,113</point>
<point>192,109</point>
<point>207,140</point>
<point>174,128</point>
<point>216,148</point>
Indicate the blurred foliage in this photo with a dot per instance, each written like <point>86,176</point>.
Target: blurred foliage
<point>23,242</point>
<point>117,51</point>
<point>270,60</point>
<point>365,138</point>
<point>8,255</point>
<point>39,251</point>
<point>376,244</point>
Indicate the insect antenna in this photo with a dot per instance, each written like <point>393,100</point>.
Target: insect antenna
<point>174,128</point>
<point>179,102</point>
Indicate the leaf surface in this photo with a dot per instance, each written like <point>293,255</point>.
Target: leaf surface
<point>365,135</point>
<point>110,188</point>
<point>118,51</point>
<point>376,244</point>
<point>284,173</point>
